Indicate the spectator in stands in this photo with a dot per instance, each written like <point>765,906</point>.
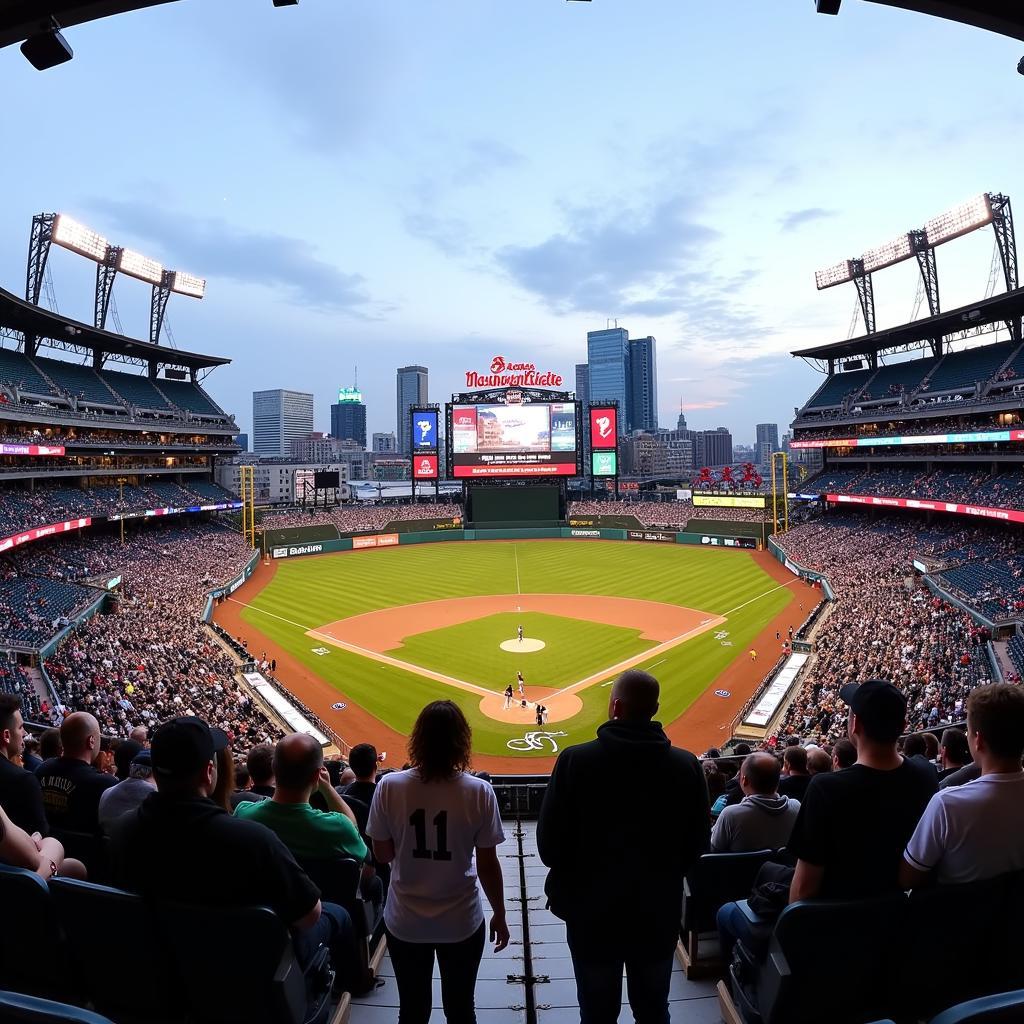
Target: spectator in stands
<point>362,759</point>
<point>818,761</point>
<point>854,824</point>
<point>597,862</point>
<point>955,839</point>
<point>795,774</point>
<point>763,819</point>
<point>50,744</point>
<point>44,856</point>
<point>299,772</point>
<point>915,748</point>
<point>954,752</point>
<point>140,735</point>
<point>129,793</point>
<point>20,795</point>
<point>124,753</point>
<point>30,758</point>
<point>426,823</point>
<point>844,754</point>
<point>260,762</point>
<point>71,785</point>
<point>243,787</point>
<point>179,845</point>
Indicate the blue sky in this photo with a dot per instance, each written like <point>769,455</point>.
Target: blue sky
<point>379,183</point>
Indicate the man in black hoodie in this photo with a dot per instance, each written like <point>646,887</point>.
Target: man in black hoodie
<point>624,818</point>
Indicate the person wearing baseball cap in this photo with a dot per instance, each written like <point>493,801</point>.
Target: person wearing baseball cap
<point>854,825</point>
<point>179,845</point>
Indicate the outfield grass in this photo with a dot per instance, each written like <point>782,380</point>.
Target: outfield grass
<point>471,651</point>
<point>307,593</point>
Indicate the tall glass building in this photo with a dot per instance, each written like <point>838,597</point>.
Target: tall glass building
<point>348,417</point>
<point>609,371</point>
<point>411,391</point>
<point>643,371</point>
<point>278,418</point>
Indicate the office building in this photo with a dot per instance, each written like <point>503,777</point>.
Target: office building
<point>243,442</point>
<point>767,442</point>
<point>608,375</point>
<point>274,479</point>
<point>278,418</point>
<point>643,372</point>
<point>385,442</point>
<point>314,447</point>
<point>714,447</point>
<point>348,417</point>
<point>411,391</point>
<point>583,383</point>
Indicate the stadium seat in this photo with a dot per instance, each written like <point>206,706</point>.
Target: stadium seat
<point>238,966</point>
<point>33,952</point>
<point>855,983</point>
<point>16,1008</point>
<point>1007,1008</point>
<point>91,850</point>
<point>98,920</point>
<point>716,879</point>
<point>987,961</point>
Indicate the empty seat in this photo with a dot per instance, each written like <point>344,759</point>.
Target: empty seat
<point>18,373</point>
<point>186,395</point>
<point>77,381</point>
<point>1007,1008</point>
<point>136,389</point>
<point>837,387</point>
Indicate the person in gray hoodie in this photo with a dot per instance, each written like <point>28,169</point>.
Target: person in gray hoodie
<point>762,820</point>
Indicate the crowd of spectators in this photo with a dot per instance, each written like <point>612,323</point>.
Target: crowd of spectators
<point>22,509</point>
<point>362,518</point>
<point>908,428</point>
<point>881,626</point>
<point>674,514</point>
<point>99,438</point>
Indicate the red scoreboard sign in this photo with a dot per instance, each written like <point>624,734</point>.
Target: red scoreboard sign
<point>604,427</point>
<point>424,467</point>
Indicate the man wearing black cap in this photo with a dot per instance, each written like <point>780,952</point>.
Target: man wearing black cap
<point>180,845</point>
<point>854,825</point>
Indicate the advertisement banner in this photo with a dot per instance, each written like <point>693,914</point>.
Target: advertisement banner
<point>970,437</point>
<point>379,540</point>
<point>424,429</point>
<point>604,428</point>
<point>604,463</point>
<point>584,533</point>
<point>730,542</point>
<point>17,539</point>
<point>31,449</point>
<point>658,536</point>
<point>1007,515</point>
<point>729,501</point>
<point>424,467</point>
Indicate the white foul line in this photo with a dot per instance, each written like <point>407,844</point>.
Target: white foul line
<point>515,551</point>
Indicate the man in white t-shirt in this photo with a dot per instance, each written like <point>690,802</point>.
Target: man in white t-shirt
<point>976,831</point>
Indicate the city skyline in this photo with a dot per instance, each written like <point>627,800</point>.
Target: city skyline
<point>513,217</point>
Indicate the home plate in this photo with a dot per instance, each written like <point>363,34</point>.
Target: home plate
<point>525,646</point>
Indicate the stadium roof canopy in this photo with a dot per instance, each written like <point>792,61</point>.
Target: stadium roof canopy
<point>973,318</point>
<point>35,321</point>
<point>22,18</point>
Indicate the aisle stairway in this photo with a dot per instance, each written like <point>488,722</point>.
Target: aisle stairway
<point>531,983</point>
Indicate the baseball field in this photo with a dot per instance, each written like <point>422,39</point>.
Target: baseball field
<point>366,638</point>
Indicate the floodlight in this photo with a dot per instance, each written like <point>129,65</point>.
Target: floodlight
<point>969,216</point>
<point>831,276</point>
<point>134,264</point>
<point>886,255</point>
<point>78,238</point>
<point>188,284</point>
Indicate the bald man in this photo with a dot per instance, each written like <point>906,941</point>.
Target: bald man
<point>763,819</point>
<point>71,786</point>
<point>624,817</point>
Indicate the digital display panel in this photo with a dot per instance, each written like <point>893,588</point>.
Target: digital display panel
<point>424,429</point>
<point>424,467</point>
<point>322,479</point>
<point>603,427</point>
<point>534,439</point>
<point>604,463</point>
<point>729,500</point>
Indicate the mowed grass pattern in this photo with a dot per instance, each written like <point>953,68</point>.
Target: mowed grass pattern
<point>575,649</point>
<point>311,592</point>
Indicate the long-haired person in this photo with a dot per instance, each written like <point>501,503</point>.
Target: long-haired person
<point>426,822</point>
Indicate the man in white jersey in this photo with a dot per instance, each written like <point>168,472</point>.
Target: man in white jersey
<point>521,683</point>
<point>976,831</point>
<point>519,632</point>
<point>428,822</point>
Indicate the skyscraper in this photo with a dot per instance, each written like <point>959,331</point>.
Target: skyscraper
<point>348,417</point>
<point>278,418</point>
<point>583,383</point>
<point>411,391</point>
<point>767,442</point>
<point>608,371</point>
<point>714,447</point>
<point>643,372</point>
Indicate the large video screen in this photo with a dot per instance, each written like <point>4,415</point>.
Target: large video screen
<point>538,439</point>
<point>729,500</point>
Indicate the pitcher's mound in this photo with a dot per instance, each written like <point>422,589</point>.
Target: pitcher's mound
<point>525,646</point>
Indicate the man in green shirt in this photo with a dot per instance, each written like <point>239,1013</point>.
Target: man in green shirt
<point>299,771</point>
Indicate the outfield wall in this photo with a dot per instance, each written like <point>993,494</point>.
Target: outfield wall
<point>380,540</point>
